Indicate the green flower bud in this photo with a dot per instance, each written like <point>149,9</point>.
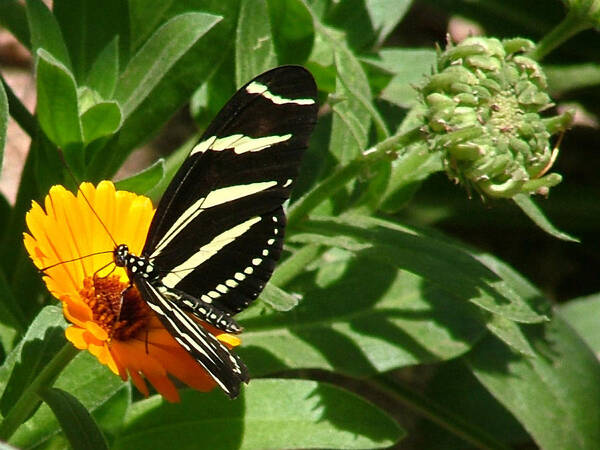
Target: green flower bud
<point>482,112</point>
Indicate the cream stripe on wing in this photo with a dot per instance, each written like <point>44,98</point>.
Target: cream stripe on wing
<point>214,198</point>
<point>257,88</point>
<point>238,143</point>
<point>206,252</point>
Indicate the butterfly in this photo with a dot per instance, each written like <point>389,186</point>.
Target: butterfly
<point>218,229</point>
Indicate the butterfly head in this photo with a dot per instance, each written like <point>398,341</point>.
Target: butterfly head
<point>120,255</point>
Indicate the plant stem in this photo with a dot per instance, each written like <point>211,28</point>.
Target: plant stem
<point>338,179</point>
<point>436,413</point>
<point>18,111</point>
<point>295,264</point>
<point>572,24</point>
<point>29,400</point>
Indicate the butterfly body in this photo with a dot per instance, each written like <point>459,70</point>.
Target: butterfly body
<point>218,229</point>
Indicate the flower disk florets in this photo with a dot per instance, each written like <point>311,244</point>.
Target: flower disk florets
<point>483,108</point>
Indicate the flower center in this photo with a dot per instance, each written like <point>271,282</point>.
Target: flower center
<point>506,114</point>
<point>121,320</point>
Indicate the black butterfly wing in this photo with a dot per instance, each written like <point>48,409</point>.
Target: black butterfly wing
<point>225,367</point>
<point>218,229</point>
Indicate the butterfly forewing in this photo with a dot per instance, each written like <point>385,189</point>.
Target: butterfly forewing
<point>218,229</point>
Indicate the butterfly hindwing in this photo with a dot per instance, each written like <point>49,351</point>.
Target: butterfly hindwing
<point>218,229</point>
<point>225,367</point>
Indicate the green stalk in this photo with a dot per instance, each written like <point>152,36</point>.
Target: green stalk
<point>336,181</point>
<point>436,413</point>
<point>30,399</point>
<point>572,24</point>
<point>295,264</point>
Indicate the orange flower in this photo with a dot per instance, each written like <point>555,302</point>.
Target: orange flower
<point>128,338</point>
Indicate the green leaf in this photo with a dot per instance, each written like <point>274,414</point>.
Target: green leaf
<point>351,119</point>
<point>11,313</point>
<point>510,333</point>
<point>554,396</point>
<point>43,339</point>
<point>100,120</point>
<point>449,266</point>
<point>277,298</point>
<point>354,109</point>
<point>467,405</point>
<point>279,413</point>
<point>175,89</point>
<point>104,73</point>
<point>88,27</point>
<point>57,108</point>
<point>154,60</point>
<point>144,181</point>
<point>111,414</point>
<point>3,122</point>
<point>92,383</point>
<point>254,51</point>
<point>358,317</point>
<point>582,314</point>
<point>537,216</point>
<point>77,423</point>
<point>385,15</point>
<point>567,78</point>
<point>14,18</point>
<point>46,34</point>
<point>408,172</point>
<point>408,67</point>
<point>293,30</point>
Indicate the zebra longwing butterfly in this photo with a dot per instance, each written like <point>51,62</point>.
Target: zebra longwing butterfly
<point>218,229</point>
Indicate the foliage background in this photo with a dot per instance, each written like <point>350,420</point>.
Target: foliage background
<point>398,309</point>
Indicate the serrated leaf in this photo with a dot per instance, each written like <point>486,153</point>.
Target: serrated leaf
<point>281,414</point>
<point>254,50</point>
<point>510,333</point>
<point>158,55</point>
<point>101,120</point>
<point>57,108</point>
<point>45,33</point>
<point>103,75</point>
<point>537,216</point>
<point>77,423</point>
<point>555,396</point>
<point>144,181</point>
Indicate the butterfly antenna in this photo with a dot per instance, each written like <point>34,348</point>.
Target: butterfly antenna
<point>43,269</point>
<point>78,184</point>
